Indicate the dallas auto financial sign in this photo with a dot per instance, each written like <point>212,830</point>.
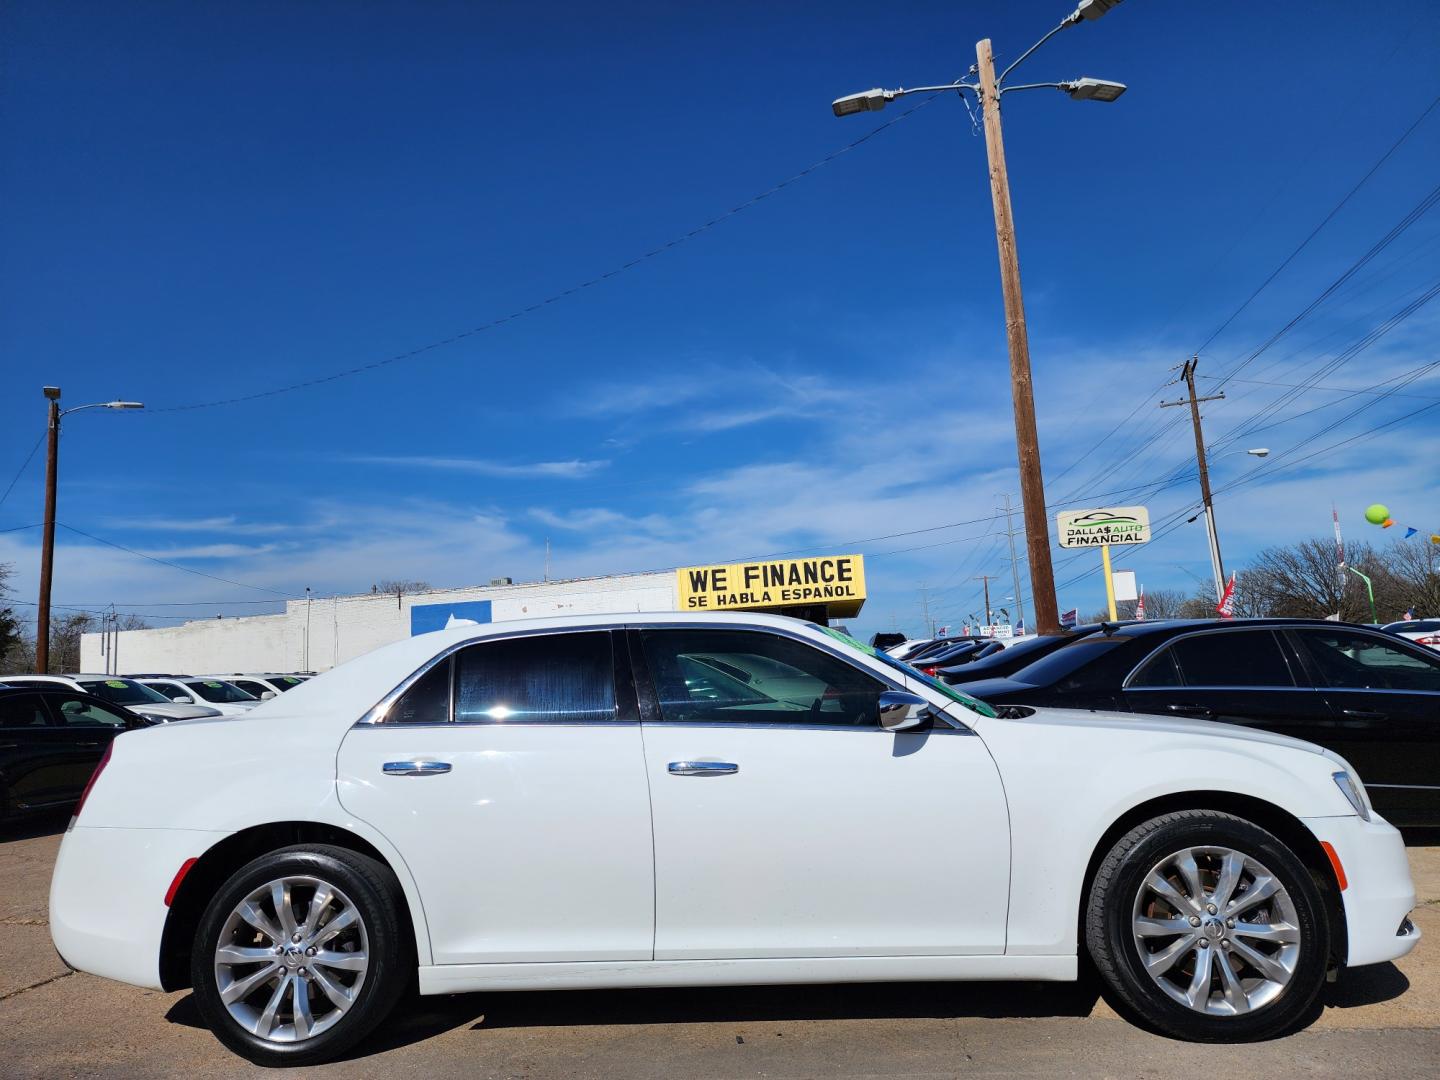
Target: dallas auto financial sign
<point>1112,525</point>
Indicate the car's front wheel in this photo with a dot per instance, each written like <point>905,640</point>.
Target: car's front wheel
<point>300,954</point>
<point>1208,927</point>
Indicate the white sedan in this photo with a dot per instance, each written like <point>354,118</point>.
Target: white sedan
<point>689,800</point>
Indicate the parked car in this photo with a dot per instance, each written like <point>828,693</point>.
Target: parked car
<point>259,686</point>
<point>887,640</point>
<point>51,739</point>
<point>226,698</point>
<point>906,647</point>
<point>1367,695</point>
<point>959,653</point>
<point>135,696</point>
<point>1420,631</point>
<point>1015,655</point>
<point>581,802</point>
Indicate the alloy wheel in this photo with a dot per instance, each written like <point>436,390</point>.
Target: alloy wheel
<point>1216,931</point>
<point>291,959</point>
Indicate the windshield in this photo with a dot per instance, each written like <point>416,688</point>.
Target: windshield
<point>283,682</point>
<point>224,692</point>
<point>124,692</point>
<point>1417,626</point>
<point>973,704</point>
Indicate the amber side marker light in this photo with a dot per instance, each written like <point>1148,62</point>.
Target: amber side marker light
<point>1335,864</point>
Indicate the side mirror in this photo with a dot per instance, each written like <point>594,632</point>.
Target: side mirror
<point>901,711</point>
<point>184,699</point>
<point>267,695</point>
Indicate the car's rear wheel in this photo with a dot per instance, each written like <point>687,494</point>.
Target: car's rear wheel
<point>300,954</point>
<point>1208,927</point>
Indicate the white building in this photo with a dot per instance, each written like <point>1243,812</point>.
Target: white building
<point>317,634</point>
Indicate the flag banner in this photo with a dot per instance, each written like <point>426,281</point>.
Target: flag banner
<point>1069,618</point>
<point>1140,605</point>
<point>1226,607</point>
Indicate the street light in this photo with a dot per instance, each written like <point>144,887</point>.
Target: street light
<point>988,91</point>
<point>47,549</point>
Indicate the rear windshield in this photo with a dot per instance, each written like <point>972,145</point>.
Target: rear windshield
<point>123,692</point>
<point>1417,626</point>
<point>1066,660</point>
<point>283,682</point>
<point>223,692</point>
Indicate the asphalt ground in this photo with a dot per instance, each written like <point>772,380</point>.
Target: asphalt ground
<point>1377,1021</point>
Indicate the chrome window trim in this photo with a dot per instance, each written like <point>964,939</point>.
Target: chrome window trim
<point>375,715</point>
<point>1405,787</point>
<point>1221,686</point>
<point>1372,690</point>
<point>1168,642</point>
<point>746,725</point>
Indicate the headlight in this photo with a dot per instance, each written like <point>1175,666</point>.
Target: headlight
<point>153,718</point>
<point>1354,792</point>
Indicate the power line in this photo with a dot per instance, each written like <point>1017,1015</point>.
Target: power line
<point>165,562</point>
<point>1316,231</point>
<point>564,294</point>
<point>1328,389</point>
<point>23,466</point>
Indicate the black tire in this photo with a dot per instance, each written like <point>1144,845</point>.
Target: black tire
<point>1110,933</point>
<point>372,889</point>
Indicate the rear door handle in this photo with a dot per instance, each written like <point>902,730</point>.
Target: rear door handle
<point>702,768</point>
<point>415,768</point>
<point>1363,714</point>
<point>1190,710</point>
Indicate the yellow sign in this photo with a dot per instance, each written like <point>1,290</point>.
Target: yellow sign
<point>838,581</point>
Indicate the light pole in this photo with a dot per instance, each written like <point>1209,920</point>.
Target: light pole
<point>988,91</point>
<point>47,549</point>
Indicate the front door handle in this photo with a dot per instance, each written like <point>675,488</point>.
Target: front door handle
<point>1363,714</point>
<point>415,768</point>
<point>702,768</point>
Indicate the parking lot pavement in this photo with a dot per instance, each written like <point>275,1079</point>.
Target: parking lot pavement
<point>1383,1020</point>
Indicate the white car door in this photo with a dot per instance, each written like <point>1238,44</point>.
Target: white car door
<point>512,782</point>
<point>789,824</point>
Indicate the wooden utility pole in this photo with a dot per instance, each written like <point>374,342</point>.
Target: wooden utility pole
<point>47,544</point>
<point>1027,439</point>
<point>984,579</point>
<point>1188,374</point>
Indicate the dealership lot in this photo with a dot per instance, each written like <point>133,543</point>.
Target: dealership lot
<point>1383,1020</point>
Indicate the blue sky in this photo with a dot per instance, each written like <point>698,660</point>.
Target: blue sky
<point>208,201</point>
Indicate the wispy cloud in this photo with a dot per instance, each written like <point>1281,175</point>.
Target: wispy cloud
<point>574,469</point>
<point>228,524</point>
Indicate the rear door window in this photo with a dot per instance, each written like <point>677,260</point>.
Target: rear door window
<point>1248,658</point>
<point>22,711</point>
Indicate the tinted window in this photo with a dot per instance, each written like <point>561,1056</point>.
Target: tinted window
<point>556,677</point>
<point>216,690</point>
<point>427,701</point>
<point>284,682</point>
<point>1419,626</point>
<point>1240,658</point>
<point>122,691</point>
<point>22,710</point>
<point>1159,671</point>
<point>744,676</point>
<point>172,691</point>
<point>78,712</point>
<point>1348,659</point>
<point>254,689</point>
<point>1068,659</point>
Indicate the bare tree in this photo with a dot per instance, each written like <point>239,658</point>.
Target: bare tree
<point>1414,567</point>
<point>398,588</point>
<point>11,639</point>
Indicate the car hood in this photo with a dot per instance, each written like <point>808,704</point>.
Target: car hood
<point>1045,716</point>
<point>176,712</point>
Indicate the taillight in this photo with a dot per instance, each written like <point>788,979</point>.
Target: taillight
<point>931,671</point>
<point>104,760</point>
<point>1431,639</point>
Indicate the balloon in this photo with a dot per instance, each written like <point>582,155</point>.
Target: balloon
<point>1377,514</point>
